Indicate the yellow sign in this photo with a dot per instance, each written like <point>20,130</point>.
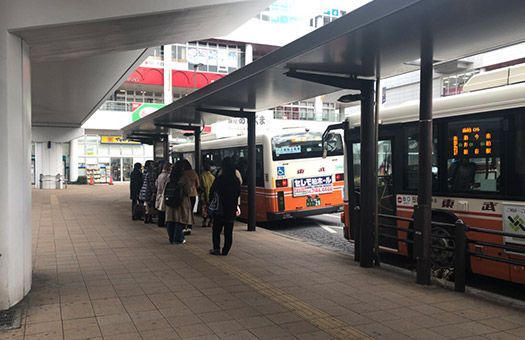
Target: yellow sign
<point>116,140</point>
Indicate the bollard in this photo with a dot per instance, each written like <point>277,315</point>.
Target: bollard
<point>460,268</point>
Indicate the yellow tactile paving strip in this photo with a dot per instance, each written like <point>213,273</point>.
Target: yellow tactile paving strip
<point>53,199</point>
<point>311,314</point>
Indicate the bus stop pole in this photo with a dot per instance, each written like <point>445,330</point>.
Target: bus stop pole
<point>198,152</point>
<point>251,171</point>
<point>368,175</point>
<point>423,211</point>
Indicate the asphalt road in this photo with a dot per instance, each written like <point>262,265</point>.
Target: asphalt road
<point>324,230</point>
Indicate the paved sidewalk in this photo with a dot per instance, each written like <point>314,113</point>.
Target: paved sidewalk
<point>100,275</point>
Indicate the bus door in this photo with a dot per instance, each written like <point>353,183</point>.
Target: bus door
<point>385,194</point>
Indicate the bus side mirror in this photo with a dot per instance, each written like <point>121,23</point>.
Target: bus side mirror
<point>329,143</point>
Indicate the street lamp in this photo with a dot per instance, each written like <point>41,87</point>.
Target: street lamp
<point>195,67</point>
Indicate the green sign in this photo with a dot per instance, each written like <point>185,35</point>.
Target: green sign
<point>140,110</point>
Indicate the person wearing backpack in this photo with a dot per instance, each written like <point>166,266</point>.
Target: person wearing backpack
<point>179,213</point>
<point>226,189</point>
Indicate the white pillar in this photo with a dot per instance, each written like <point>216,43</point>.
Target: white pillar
<point>318,108</point>
<point>48,162</point>
<point>15,172</point>
<point>248,54</point>
<point>73,160</point>
<point>168,67</point>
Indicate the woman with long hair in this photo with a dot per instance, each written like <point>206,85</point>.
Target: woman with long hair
<point>228,188</point>
<point>194,177</point>
<point>180,216</point>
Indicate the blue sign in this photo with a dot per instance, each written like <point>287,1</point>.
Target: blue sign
<point>280,171</point>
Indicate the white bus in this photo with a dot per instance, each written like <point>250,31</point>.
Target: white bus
<point>478,174</point>
<point>292,178</point>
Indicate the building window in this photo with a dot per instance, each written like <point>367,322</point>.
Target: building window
<point>453,84</point>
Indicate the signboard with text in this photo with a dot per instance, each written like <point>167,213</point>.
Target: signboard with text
<point>312,186</point>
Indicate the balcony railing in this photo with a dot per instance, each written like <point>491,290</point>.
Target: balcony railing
<point>116,106</point>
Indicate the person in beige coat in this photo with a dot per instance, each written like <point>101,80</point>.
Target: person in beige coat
<point>179,217</point>
<point>160,183</point>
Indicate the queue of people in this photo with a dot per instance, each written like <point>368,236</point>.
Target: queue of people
<point>170,192</point>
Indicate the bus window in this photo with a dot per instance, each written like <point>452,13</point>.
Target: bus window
<point>384,161</point>
<point>474,149</point>
<point>303,145</point>
<point>516,179</point>
<point>241,163</point>
<point>411,172</point>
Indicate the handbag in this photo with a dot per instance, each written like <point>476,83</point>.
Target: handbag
<point>215,207</point>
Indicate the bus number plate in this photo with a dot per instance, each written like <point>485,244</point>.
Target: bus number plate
<point>313,202</point>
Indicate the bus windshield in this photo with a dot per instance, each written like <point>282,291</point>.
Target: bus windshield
<point>303,145</point>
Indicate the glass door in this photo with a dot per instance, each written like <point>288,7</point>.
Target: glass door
<point>116,169</point>
<point>127,167</point>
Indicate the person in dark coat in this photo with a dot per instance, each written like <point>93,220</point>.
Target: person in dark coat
<point>134,187</point>
<point>228,188</point>
<point>148,190</point>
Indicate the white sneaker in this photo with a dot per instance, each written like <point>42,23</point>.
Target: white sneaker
<point>183,242</point>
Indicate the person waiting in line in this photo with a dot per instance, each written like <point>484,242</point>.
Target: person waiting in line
<point>194,177</point>
<point>160,184</point>
<point>180,216</point>
<point>206,182</point>
<point>228,187</point>
<point>135,184</point>
<point>147,191</point>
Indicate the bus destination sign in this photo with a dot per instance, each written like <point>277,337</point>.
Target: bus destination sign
<point>312,186</point>
<point>474,141</point>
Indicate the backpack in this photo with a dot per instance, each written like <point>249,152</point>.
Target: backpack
<point>215,207</point>
<point>173,194</point>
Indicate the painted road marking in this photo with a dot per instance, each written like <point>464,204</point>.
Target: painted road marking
<point>329,229</point>
<point>309,313</point>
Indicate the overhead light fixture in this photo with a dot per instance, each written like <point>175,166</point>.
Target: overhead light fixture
<point>349,98</point>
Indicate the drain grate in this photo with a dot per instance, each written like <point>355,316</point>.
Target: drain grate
<point>10,319</point>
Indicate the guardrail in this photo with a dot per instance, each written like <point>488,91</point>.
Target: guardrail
<point>461,244</point>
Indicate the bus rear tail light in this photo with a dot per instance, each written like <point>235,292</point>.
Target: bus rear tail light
<point>339,177</point>
<point>281,183</point>
<point>280,200</point>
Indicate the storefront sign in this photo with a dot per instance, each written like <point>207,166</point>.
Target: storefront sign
<point>312,186</point>
<point>140,110</point>
<point>116,140</point>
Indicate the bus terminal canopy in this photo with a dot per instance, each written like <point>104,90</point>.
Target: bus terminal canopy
<point>380,39</point>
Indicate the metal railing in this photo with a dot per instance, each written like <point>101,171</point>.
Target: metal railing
<point>462,240</point>
<point>53,181</point>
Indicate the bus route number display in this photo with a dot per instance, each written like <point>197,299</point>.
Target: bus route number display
<point>312,186</point>
<point>473,141</point>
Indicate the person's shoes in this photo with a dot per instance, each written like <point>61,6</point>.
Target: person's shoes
<point>183,242</point>
<point>214,252</point>
<point>187,232</point>
<point>224,254</point>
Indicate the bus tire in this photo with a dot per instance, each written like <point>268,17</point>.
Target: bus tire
<point>442,259</point>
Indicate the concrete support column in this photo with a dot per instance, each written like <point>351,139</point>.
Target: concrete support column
<point>168,67</point>
<point>248,54</point>
<point>48,162</point>
<point>73,160</point>
<point>318,107</point>
<point>15,151</point>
